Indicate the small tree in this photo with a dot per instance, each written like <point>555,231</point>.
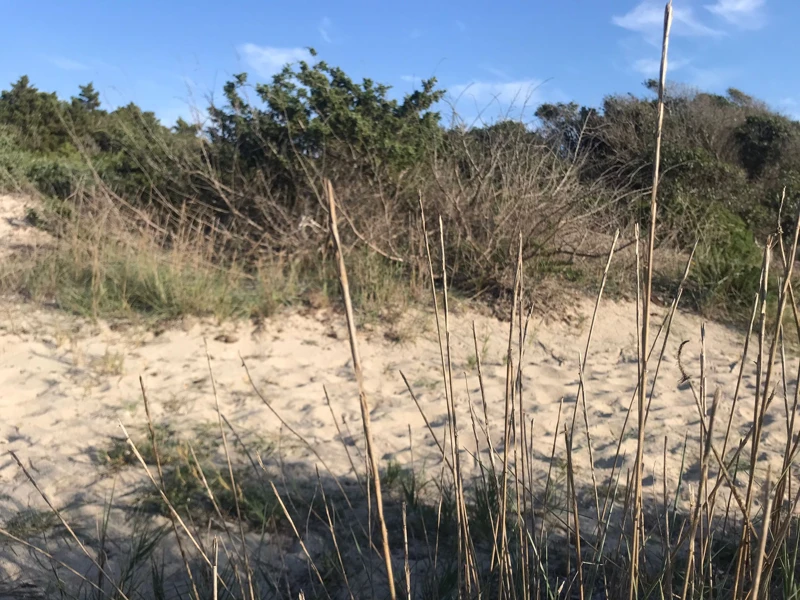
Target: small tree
<point>761,139</point>
<point>88,98</point>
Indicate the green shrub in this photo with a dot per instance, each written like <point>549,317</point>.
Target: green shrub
<point>761,140</point>
<point>56,176</point>
<point>726,273</point>
<point>13,161</point>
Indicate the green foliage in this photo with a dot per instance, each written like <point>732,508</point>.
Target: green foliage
<point>253,173</point>
<point>727,267</point>
<point>13,161</point>
<point>54,175</point>
<point>57,176</point>
<point>115,281</point>
<point>695,186</point>
<point>761,140</point>
<point>30,522</point>
<point>37,117</point>
<point>315,117</point>
<point>88,99</point>
<point>566,124</point>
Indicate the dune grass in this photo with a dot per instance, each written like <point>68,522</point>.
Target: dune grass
<point>451,532</point>
<point>102,264</point>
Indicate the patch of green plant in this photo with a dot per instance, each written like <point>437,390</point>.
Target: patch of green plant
<point>187,484</point>
<point>127,282</point>
<point>403,482</point>
<point>30,522</point>
<point>727,267</point>
<point>120,454</point>
<point>56,176</point>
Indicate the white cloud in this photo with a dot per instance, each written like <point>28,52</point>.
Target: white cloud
<point>409,78</point>
<point>268,61</point>
<point>461,25</point>
<point>67,64</point>
<point>647,66</point>
<point>790,107</point>
<point>746,14</point>
<point>647,18</point>
<point>711,78</point>
<point>169,114</point>
<point>499,73</point>
<point>507,94</point>
<point>415,33</point>
<point>325,29</point>
<point>651,67</point>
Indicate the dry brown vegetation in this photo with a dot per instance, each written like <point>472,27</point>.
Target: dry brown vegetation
<point>402,533</point>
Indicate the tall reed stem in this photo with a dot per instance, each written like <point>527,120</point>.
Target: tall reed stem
<point>362,395</point>
<point>648,290</point>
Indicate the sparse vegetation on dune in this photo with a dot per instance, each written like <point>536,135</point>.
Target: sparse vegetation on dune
<point>243,191</point>
<point>239,218</point>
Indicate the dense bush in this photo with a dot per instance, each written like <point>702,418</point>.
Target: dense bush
<point>253,173</point>
<point>727,267</point>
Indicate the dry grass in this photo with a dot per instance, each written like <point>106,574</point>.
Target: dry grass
<point>104,261</point>
<point>494,533</point>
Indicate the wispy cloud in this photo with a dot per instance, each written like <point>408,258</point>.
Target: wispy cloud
<point>745,14</point>
<point>790,107</point>
<point>506,95</point>
<point>267,60</point>
<point>325,29</point>
<point>67,64</point>
<point>188,111</point>
<point>647,18</point>
<point>409,78</point>
<point>499,73</point>
<point>461,26</point>
<point>415,33</point>
<point>651,67</point>
<point>710,78</point>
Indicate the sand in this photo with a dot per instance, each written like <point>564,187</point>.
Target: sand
<point>67,383</point>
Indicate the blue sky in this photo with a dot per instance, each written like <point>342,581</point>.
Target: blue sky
<point>169,55</point>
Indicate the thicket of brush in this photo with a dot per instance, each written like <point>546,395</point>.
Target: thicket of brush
<point>247,182</point>
<point>253,200</point>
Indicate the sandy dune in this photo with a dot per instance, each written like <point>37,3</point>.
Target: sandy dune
<point>66,384</point>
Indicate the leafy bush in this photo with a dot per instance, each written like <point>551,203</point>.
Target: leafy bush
<point>13,161</point>
<point>56,176</point>
<point>761,140</point>
<point>726,272</point>
<point>251,178</point>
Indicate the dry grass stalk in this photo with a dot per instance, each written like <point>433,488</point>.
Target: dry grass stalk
<point>53,560</point>
<point>503,516</point>
<point>299,538</point>
<point>638,466</point>
<point>167,501</point>
<point>67,526</point>
<point>215,568</point>
<point>465,557</point>
<point>762,544</point>
<point>174,525</point>
<point>234,488</point>
<point>365,419</point>
<point>573,495</point>
<point>406,566</point>
<point>701,500</point>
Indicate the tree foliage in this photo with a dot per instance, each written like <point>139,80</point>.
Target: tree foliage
<point>255,166</point>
